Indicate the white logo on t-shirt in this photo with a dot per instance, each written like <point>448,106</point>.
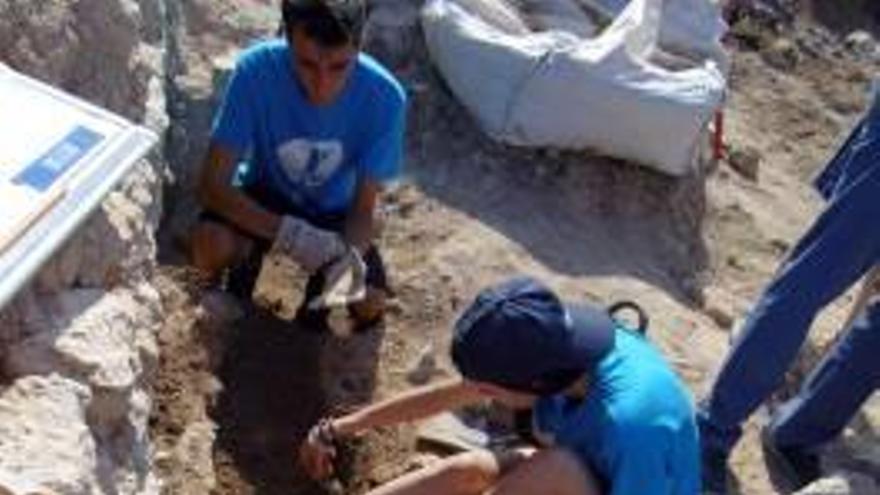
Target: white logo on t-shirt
<point>310,163</point>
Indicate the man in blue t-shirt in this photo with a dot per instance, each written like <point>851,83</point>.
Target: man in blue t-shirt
<point>610,415</point>
<point>309,131</point>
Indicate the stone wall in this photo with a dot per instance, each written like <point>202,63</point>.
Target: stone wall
<point>77,346</point>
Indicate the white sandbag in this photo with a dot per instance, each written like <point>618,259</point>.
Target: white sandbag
<point>555,89</point>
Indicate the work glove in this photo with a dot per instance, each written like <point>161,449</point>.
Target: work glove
<point>308,246</point>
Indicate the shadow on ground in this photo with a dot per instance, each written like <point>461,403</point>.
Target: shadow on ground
<point>271,396</point>
<point>278,380</point>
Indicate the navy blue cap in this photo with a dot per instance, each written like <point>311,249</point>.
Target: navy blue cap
<point>521,336</point>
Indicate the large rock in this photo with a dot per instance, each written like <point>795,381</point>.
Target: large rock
<point>103,343</point>
<point>103,340</point>
<point>44,441</point>
<point>117,245</point>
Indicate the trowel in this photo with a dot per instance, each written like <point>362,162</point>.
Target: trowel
<point>345,282</point>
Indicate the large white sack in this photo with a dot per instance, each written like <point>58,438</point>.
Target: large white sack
<point>554,89</point>
<point>482,64</point>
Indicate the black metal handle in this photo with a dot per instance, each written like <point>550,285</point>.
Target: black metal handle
<point>641,316</point>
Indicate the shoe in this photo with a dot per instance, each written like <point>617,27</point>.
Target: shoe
<point>714,471</point>
<point>797,466</point>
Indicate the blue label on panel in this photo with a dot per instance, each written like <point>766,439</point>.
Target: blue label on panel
<point>43,172</point>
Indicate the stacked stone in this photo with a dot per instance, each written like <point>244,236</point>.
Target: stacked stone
<point>77,346</point>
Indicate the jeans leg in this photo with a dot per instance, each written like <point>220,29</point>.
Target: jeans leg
<point>836,389</point>
<point>841,245</point>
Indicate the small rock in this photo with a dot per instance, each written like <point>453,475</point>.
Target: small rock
<point>745,161</point>
<point>782,54</point>
<point>720,316</point>
<point>735,262</point>
<point>781,246</point>
<point>163,459</point>
<point>424,367</point>
<point>719,306</point>
<point>861,43</point>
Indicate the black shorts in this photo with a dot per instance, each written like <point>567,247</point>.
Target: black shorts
<point>242,277</point>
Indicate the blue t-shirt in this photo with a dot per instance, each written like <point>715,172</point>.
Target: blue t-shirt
<point>311,156</point>
<point>635,429</point>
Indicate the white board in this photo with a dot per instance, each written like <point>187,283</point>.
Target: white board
<point>59,157</point>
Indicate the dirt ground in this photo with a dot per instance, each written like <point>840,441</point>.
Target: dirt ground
<point>233,399</point>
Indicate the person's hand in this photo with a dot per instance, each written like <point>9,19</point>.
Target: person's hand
<point>307,245</point>
<point>318,451</point>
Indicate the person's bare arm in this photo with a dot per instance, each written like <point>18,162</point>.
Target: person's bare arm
<point>416,404</point>
<point>217,193</point>
<point>317,451</point>
<point>361,221</point>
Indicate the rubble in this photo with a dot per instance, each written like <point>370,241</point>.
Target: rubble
<point>746,161</point>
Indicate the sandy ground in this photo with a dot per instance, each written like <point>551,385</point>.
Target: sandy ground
<point>694,252</point>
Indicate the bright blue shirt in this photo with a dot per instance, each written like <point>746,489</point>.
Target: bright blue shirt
<point>635,429</point>
<point>312,156</point>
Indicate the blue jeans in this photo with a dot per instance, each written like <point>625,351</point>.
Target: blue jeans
<point>842,245</point>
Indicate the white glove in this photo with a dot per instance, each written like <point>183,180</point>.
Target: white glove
<point>307,245</point>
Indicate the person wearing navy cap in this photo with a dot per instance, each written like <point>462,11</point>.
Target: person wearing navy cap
<point>608,413</point>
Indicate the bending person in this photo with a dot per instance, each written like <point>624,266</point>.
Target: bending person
<point>610,414</point>
<point>309,130</point>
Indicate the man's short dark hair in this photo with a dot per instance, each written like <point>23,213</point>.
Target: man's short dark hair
<point>331,23</point>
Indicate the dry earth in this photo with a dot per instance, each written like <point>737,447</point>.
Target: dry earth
<point>695,252</point>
